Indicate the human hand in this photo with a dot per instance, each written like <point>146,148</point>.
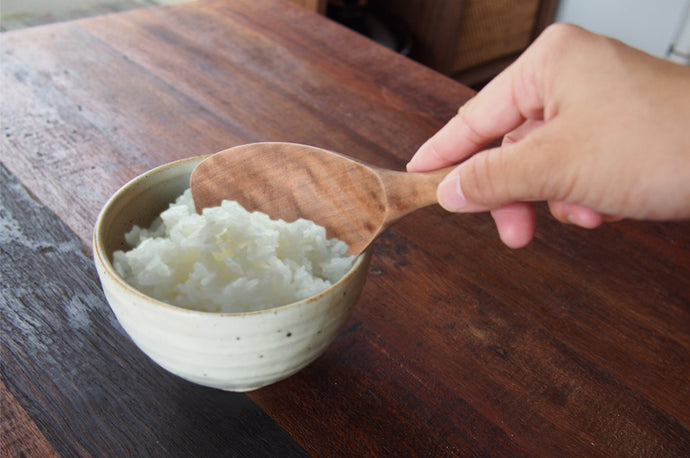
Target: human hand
<point>590,125</point>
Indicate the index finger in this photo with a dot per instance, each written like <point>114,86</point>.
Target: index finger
<point>504,104</point>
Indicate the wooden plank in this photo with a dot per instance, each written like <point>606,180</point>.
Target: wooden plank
<point>576,345</point>
<point>471,354</point>
<point>19,435</point>
<point>315,5</point>
<point>71,368</point>
<point>282,86</point>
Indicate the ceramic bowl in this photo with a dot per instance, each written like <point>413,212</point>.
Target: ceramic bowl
<point>230,351</point>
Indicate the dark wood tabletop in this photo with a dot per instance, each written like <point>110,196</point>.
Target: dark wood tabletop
<point>578,345</point>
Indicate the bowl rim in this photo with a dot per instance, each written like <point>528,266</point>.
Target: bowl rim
<point>102,258</point>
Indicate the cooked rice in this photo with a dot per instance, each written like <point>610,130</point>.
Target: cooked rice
<point>228,259</point>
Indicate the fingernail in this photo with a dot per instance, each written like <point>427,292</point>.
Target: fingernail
<point>450,194</point>
<point>414,159</point>
<point>585,218</point>
<point>410,165</point>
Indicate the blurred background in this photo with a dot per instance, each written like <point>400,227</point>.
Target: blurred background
<point>468,40</point>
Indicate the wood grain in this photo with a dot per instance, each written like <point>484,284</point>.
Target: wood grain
<point>315,5</point>
<point>578,345</point>
<point>87,388</point>
<point>354,201</point>
<point>19,435</point>
<point>155,105</point>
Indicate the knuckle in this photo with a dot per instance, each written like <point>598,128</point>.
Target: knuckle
<point>560,32</point>
<point>478,183</point>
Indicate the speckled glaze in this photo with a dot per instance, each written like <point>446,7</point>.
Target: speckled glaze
<point>230,351</point>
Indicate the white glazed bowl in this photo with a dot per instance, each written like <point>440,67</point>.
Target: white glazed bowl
<point>230,351</point>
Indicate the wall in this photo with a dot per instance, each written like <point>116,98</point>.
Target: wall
<point>651,26</point>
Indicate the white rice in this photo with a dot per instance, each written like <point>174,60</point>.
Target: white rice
<point>230,260</point>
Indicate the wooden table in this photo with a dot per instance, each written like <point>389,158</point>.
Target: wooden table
<point>576,345</point>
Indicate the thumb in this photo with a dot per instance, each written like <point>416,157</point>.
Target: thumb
<point>495,177</point>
